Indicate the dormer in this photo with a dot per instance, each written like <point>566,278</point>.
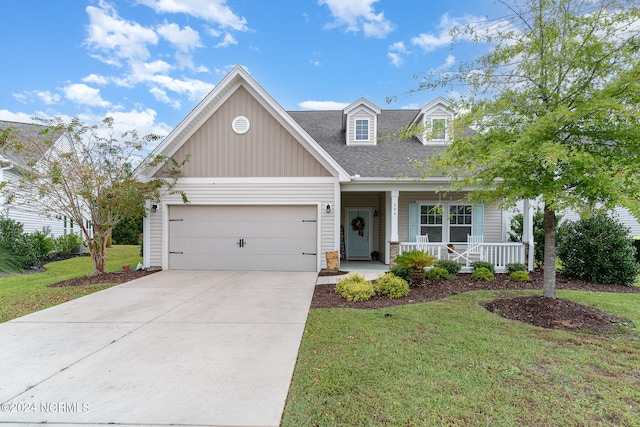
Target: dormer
<point>360,123</point>
<point>435,121</point>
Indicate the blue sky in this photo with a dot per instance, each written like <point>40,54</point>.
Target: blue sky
<point>147,63</point>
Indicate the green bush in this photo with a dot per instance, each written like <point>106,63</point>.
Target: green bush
<point>597,249</point>
<point>453,267</point>
<point>436,273</point>
<point>482,274</point>
<point>66,244</point>
<point>516,266</point>
<point>483,264</point>
<point>391,286</point>
<point>416,260</point>
<point>41,244</point>
<point>401,271</point>
<point>24,247</point>
<point>519,276</point>
<point>355,288</point>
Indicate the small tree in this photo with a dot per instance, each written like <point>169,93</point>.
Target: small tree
<point>87,173</point>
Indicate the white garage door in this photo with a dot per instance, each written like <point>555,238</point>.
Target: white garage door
<point>243,237</point>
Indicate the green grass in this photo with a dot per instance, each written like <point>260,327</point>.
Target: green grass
<point>452,363</point>
<point>25,293</point>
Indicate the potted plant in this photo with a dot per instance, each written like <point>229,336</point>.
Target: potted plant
<point>451,248</point>
<point>375,256</point>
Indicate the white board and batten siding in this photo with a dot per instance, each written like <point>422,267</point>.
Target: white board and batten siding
<point>249,197</point>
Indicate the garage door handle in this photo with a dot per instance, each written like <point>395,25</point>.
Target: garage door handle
<point>179,253</point>
<point>307,253</point>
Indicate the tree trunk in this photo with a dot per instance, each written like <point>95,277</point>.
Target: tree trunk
<point>98,249</point>
<point>549,288</point>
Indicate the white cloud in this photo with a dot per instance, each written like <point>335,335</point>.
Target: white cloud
<point>96,79</point>
<point>396,50</point>
<point>358,15</point>
<point>48,97</point>
<point>412,106</point>
<point>322,105</point>
<point>161,95</point>
<point>15,117</point>
<point>85,95</point>
<point>20,97</point>
<point>112,35</point>
<point>215,11</point>
<point>227,41</point>
<point>185,39</point>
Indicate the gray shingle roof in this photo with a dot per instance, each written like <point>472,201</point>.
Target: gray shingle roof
<point>31,136</point>
<point>389,158</point>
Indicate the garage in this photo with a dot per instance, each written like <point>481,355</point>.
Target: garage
<point>243,237</point>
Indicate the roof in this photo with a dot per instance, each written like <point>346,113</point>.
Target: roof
<point>31,136</point>
<point>389,158</point>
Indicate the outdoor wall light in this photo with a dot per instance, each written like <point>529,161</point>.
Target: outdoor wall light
<point>328,209</point>
<point>154,208</point>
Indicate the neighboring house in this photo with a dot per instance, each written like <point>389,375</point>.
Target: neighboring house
<point>29,212</point>
<point>275,190</point>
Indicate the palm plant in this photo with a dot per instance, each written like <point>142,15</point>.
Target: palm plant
<point>416,260</point>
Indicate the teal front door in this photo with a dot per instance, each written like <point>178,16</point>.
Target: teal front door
<point>358,226</point>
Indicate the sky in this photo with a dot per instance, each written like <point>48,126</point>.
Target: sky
<point>148,63</point>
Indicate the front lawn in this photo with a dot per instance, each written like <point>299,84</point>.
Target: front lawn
<point>25,293</point>
<point>452,363</point>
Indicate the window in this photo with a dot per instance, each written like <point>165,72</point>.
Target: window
<point>362,129</point>
<point>460,220</point>
<point>431,222</point>
<point>438,129</point>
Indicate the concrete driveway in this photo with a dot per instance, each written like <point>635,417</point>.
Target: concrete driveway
<point>205,348</point>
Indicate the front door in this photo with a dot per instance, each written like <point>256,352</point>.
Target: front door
<point>358,226</point>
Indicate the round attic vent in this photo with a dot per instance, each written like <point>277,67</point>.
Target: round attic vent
<point>240,125</point>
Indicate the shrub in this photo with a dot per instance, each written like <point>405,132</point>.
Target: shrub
<point>453,267</point>
<point>24,247</point>
<point>482,274</point>
<point>41,244</point>
<point>355,288</point>
<point>416,260</point>
<point>401,271</point>
<point>598,250</point>
<point>516,266</point>
<point>483,264</point>
<point>391,286</point>
<point>436,273</point>
<point>66,244</point>
<point>519,276</point>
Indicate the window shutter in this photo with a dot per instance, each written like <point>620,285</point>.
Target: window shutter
<point>414,221</point>
<point>478,220</point>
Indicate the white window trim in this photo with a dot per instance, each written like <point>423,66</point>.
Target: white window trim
<point>446,223</point>
<point>427,137</point>
<point>355,128</point>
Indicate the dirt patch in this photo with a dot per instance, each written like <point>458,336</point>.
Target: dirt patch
<point>555,314</point>
<point>114,277</point>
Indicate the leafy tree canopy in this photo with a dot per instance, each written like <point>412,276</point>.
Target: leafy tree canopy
<point>551,111</point>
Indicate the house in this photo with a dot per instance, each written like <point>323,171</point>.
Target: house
<point>30,209</point>
<point>271,189</point>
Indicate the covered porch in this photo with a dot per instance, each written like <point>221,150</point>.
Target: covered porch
<point>382,222</point>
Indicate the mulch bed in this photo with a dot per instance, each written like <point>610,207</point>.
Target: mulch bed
<point>114,277</point>
<point>540,311</point>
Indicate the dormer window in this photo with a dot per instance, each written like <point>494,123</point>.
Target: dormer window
<point>362,129</point>
<point>360,123</point>
<point>434,122</point>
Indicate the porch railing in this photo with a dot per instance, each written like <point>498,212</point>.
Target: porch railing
<point>498,254</point>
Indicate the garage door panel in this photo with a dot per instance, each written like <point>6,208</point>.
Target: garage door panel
<point>274,237</point>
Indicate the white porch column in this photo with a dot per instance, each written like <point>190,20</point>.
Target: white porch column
<point>527,231</point>
<point>394,216</point>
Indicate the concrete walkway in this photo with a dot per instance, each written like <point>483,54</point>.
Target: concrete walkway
<point>177,347</point>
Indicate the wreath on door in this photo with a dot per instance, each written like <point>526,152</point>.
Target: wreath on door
<point>358,225</point>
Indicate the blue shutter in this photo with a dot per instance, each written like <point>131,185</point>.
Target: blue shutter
<point>414,221</point>
<point>478,220</point>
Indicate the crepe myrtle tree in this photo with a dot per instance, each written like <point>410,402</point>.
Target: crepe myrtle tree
<point>87,172</point>
<point>550,112</point>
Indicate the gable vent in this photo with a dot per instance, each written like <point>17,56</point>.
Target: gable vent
<point>240,125</point>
